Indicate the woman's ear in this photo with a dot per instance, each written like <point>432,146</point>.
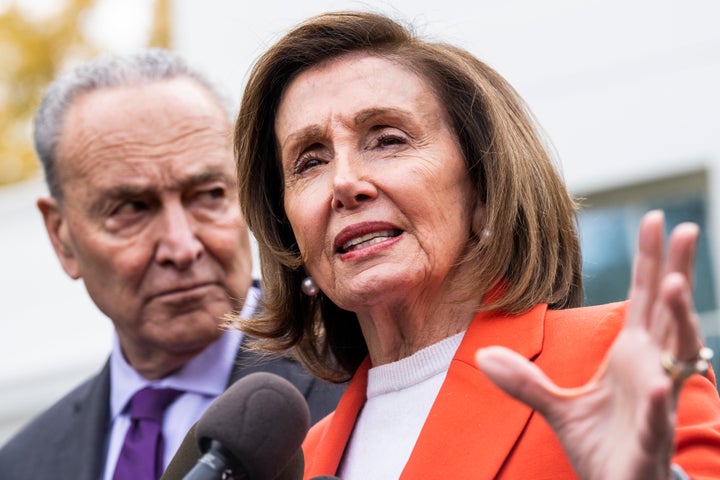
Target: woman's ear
<point>478,220</point>
<point>57,229</point>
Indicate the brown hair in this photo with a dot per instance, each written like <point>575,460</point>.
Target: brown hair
<point>533,246</point>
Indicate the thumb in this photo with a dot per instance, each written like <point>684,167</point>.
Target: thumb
<point>518,377</point>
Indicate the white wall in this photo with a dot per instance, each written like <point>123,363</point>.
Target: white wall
<point>51,334</point>
<point>624,89</point>
<point>627,91</point>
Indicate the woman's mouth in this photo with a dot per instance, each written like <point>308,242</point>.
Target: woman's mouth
<point>367,240</point>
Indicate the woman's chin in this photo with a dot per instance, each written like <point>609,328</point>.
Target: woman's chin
<point>363,294</point>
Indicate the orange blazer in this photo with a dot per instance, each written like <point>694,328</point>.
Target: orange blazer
<point>474,430</point>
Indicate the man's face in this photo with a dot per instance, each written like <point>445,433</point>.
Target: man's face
<point>150,219</point>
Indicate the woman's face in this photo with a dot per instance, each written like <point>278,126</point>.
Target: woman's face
<point>376,189</point>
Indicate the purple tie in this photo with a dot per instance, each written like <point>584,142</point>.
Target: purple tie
<point>141,457</point>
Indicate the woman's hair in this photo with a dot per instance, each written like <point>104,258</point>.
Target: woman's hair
<point>531,247</point>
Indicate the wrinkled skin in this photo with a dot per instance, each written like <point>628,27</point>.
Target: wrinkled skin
<point>149,218</point>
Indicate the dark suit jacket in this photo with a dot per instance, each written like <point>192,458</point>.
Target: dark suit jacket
<point>68,440</point>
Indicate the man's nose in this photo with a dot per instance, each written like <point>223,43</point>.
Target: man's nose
<point>178,243</point>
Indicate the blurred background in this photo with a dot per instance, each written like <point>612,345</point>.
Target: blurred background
<point>627,92</point>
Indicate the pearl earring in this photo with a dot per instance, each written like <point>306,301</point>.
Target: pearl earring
<point>309,287</point>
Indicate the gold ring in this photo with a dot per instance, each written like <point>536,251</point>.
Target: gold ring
<point>680,371</point>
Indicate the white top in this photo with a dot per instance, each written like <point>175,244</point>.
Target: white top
<point>399,398</point>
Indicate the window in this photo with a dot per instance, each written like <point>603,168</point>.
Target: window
<point>608,226</point>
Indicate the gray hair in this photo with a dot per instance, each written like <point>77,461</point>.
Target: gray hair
<point>107,71</point>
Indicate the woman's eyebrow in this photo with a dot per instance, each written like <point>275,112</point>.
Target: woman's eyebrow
<point>370,113</point>
<point>305,133</point>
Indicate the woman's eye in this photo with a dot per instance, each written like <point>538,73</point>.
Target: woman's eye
<point>305,163</point>
<point>310,156</point>
<point>390,139</point>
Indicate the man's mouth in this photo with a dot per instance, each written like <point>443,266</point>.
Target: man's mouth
<point>177,290</point>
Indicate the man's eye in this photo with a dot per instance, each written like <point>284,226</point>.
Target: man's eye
<point>213,193</point>
<point>130,207</point>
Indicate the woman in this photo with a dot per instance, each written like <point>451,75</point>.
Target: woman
<point>410,222</point>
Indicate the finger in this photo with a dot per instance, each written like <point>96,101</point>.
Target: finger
<point>647,269</point>
<point>675,324</point>
<point>520,379</point>
<point>678,313</point>
<point>682,246</point>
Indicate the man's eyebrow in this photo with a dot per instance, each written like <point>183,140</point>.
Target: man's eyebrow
<point>206,177</point>
<point>130,191</point>
<point>127,191</point>
<point>108,196</point>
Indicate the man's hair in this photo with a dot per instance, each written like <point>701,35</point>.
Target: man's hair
<point>530,253</point>
<point>107,71</point>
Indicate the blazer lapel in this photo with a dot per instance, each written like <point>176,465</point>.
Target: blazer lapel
<point>473,425</point>
<point>336,435</point>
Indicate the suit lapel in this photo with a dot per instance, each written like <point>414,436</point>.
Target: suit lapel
<point>80,450</point>
<point>473,426</point>
<point>248,361</point>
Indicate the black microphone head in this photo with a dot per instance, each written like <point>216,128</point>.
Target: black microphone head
<point>184,459</point>
<point>261,420</point>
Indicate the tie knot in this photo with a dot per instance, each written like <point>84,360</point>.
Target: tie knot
<point>150,403</point>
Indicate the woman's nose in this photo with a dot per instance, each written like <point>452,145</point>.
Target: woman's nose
<point>352,184</point>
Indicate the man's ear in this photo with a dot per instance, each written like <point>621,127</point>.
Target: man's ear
<point>57,229</point>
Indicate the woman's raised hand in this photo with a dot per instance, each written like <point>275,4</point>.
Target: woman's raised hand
<point>620,424</point>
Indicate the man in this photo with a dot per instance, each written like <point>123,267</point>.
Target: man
<point>143,207</point>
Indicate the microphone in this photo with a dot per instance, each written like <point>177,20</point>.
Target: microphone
<point>184,459</point>
<point>253,431</point>
<point>189,453</point>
